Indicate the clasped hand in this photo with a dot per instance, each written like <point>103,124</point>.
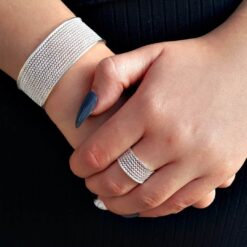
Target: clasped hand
<point>187,121</point>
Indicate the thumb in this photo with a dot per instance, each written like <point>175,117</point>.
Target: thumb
<point>116,73</point>
<point>113,75</point>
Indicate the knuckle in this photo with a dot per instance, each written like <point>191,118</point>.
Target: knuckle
<point>90,185</point>
<point>114,189</point>
<point>150,201</point>
<point>228,183</point>
<point>177,138</point>
<point>74,164</point>
<point>93,157</point>
<point>203,204</point>
<point>178,205</point>
<point>181,133</point>
<point>108,68</point>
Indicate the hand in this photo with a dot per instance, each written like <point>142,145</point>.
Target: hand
<point>187,121</point>
<point>68,98</point>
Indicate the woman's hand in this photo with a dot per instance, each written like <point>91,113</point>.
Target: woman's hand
<point>67,99</point>
<point>187,121</point>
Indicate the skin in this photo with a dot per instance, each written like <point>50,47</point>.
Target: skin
<point>20,36</point>
<point>187,121</point>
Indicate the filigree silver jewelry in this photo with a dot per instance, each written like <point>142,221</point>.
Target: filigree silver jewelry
<point>53,57</point>
<point>134,167</point>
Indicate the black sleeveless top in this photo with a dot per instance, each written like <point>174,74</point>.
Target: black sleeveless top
<point>127,24</point>
<point>43,204</point>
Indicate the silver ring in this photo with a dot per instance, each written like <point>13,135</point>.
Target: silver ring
<point>134,167</point>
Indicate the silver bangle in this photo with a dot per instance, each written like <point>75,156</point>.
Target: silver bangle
<point>53,57</point>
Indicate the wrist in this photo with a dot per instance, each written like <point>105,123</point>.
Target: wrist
<point>229,39</point>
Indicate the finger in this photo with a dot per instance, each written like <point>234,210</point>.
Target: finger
<point>115,182</point>
<point>102,148</point>
<point>205,201</point>
<point>116,73</point>
<point>228,183</point>
<point>183,198</point>
<point>157,189</point>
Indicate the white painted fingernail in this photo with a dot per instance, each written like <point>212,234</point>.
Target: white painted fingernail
<point>99,204</point>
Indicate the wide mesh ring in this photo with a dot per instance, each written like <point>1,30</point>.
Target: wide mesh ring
<point>134,167</point>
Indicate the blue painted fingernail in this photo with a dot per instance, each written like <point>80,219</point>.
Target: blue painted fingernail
<point>86,108</point>
<point>131,215</point>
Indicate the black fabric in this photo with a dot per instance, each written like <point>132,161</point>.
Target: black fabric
<point>43,204</point>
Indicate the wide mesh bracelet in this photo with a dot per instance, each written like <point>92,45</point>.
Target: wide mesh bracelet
<point>53,57</point>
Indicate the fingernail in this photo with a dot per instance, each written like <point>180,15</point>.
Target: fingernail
<point>99,204</point>
<point>131,215</point>
<point>86,108</point>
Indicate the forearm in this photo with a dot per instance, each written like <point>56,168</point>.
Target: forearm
<point>23,25</point>
<point>231,37</point>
